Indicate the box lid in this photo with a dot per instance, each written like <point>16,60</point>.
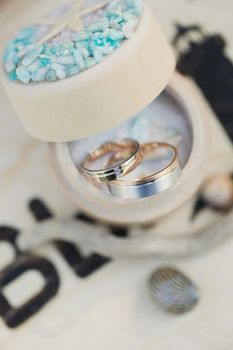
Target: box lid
<point>79,72</point>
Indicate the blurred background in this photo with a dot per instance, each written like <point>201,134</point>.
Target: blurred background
<point>102,303</point>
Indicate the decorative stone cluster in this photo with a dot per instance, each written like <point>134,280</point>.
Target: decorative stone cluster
<point>27,61</point>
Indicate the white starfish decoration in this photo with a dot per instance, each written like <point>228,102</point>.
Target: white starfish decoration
<point>71,19</point>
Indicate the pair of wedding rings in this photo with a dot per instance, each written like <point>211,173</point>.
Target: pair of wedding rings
<point>123,157</point>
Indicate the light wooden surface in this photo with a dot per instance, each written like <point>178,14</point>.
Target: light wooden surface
<point>110,309</point>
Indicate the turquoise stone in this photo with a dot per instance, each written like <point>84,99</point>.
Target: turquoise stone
<point>98,39</point>
<point>113,13</point>
<point>98,55</point>
<point>34,77</point>
<point>61,74</point>
<point>32,55</point>
<point>129,17</point>
<point>62,50</point>
<point>90,62</point>
<point>79,59</point>
<point>72,70</point>
<point>33,67</point>
<point>129,28</point>
<point>100,26</point>
<point>107,49</point>
<point>56,66</point>
<point>71,52</point>
<point>12,75</point>
<point>48,58</point>
<point>69,59</point>
<point>41,74</point>
<point>137,7</point>
<point>84,52</point>
<point>116,22</point>
<point>10,66</point>
<point>51,75</point>
<point>54,50</point>
<point>116,35</point>
<point>114,43</point>
<point>44,62</point>
<point>23,75</point>
<point>82,45</point>
<point>47,49</point>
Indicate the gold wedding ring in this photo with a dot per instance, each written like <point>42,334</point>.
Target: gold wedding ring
<point>152,184</point>
<point>131,157</point>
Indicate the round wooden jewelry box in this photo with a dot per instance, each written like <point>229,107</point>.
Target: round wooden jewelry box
<point>175,117</point>
<point>102,96</point>
<point>131,93</point>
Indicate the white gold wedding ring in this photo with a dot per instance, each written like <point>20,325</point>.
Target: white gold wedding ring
<point>152,184</point>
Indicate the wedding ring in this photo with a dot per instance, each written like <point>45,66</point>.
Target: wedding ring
<point>131,157</point>
<point>152,184</point>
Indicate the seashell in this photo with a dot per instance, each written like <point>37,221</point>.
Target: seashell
<point>217,191</point>
<point>173,291</point>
